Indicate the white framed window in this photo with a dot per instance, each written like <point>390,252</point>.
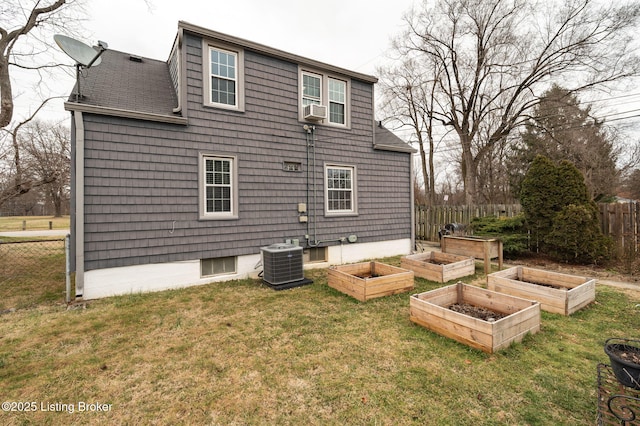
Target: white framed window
<point>340,190</point>
<point>337,101</point>
<point>224,73</point>
<point>218,187</point>
<point>328,90</point>
<point>311,89</point>
<point>223,80</point>
<point>218,266</point>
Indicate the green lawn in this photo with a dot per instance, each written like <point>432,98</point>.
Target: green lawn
<point>241,353</point>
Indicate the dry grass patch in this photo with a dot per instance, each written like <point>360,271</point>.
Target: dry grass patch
<point>31,273</point>
<point>15,223</point>
<point>241,353</point>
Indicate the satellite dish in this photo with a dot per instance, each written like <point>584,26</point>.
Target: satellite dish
<point>84,55</point>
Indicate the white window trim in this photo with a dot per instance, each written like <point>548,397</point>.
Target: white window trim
<point>354,191</point>
<point>202,188</point>
<point>207,45</point>
<point>324,96</point>
<point>329,101</point>
<point>312,74</point>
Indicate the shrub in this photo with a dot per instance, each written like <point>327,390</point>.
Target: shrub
<point>576,236</point>
<point>562,218</point>
<point>511,230</point>
<point>540,198</point>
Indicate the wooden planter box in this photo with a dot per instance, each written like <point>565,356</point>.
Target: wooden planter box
<point>570,293</point>
<point>431,310</point>
<point>477,247</point>
<point>369,280</point>
<point>440,267</point>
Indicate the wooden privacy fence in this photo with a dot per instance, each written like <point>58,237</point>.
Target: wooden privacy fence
<point>620,221</point>
<point>431,219</point>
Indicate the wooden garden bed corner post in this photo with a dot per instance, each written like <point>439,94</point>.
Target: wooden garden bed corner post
<point>487,257</point>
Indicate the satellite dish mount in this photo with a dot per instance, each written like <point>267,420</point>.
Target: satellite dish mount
<point>84,55</point>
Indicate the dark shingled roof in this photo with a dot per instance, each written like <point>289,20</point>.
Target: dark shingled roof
<point>142,85</point>
<point>386,140</point>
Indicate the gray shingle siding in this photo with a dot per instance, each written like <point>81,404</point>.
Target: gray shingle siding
<point>141,178</point>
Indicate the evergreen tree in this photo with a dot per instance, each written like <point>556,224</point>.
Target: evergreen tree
<point>561,129</point>
<point>576,236</point>
<point>539,198</point>
<point>561,216</point>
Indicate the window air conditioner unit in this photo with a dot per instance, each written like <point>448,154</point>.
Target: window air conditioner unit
<point>282,264</point>
<point>315,112</point>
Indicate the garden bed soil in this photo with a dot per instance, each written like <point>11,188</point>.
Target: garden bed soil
<point>557,293</point>
<point>368,280</point>
<point>477,311</point>
<point>432,310</point>
<point>439,267</point>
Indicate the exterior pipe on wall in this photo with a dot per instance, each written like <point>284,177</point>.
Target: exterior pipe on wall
<point>311,164</point>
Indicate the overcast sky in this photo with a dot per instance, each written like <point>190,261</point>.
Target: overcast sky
<point>352,34</point>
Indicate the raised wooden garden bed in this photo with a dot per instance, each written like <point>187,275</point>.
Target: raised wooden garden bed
<point>517,317</point>
<point>368,280</point>
<point>558,293</point>
<point>440,267</point>
<point>480,248</point>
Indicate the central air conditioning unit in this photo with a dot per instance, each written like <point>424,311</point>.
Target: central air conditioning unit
<point>315,112</point>
<point>282,264</point>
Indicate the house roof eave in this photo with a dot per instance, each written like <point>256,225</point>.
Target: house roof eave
<point>124,113</point>
<point>261,48</point>
<point>407,149</point>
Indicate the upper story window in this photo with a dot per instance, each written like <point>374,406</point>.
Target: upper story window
<point>223,80</point>
<point>218,187</point>
<point>326,90</point>
<point>337,101</point>
<point>223,77</point>
<point>311,89</point>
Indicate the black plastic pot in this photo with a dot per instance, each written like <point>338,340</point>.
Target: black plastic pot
<point>627,372</point>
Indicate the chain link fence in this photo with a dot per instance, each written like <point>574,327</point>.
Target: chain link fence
<point>32,273</point>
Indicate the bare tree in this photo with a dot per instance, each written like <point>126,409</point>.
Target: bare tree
<point>409,101</point>
<point>48,150</point>
<point>26,45</point>
<point>20,178</point>
<point>497,57</point>
<point>19,20</point>
<point>632,185</point>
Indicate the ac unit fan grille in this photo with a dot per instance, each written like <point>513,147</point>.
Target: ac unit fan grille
<point>282,264</point>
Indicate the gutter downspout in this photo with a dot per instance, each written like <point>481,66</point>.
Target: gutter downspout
<point>412,205</point>
<point>78,230</point>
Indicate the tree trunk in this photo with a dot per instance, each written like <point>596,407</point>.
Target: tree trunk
<point>6,101</point>
<point>468,170</point>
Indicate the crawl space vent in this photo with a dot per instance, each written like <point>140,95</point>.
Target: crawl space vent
<point>282,265</point>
